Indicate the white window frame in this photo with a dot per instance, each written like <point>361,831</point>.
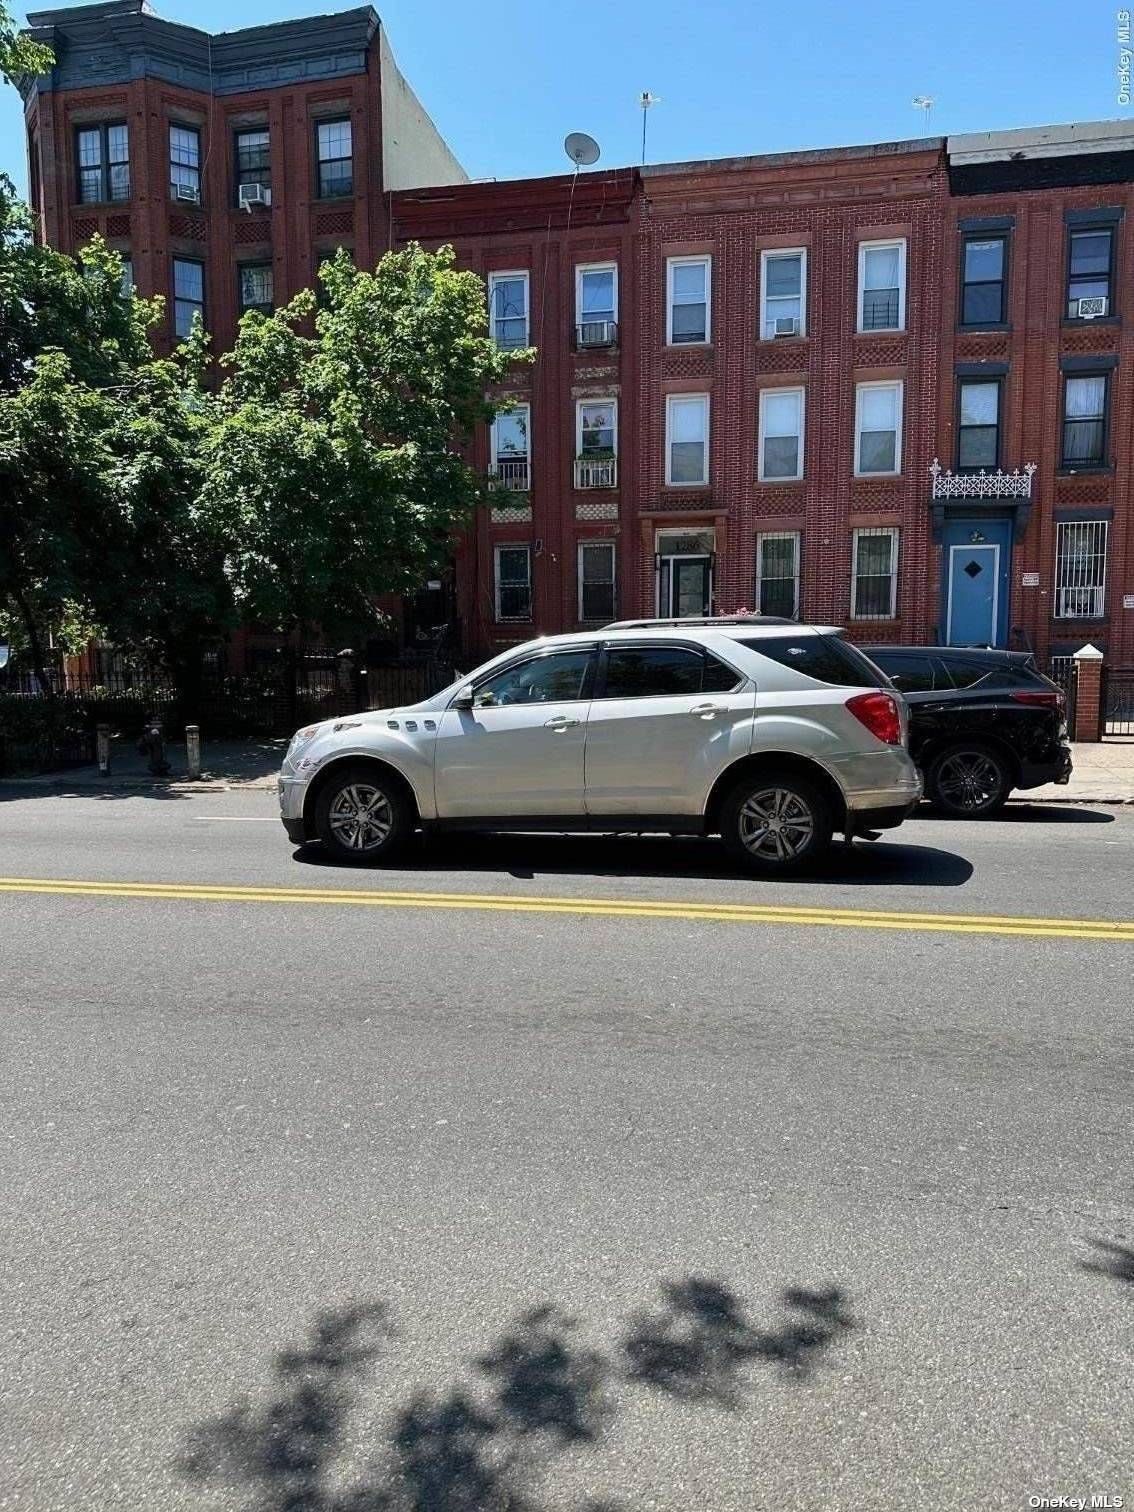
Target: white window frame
<point>878,246</point>
<point>501,275</point>
<point>779,535</point>
<point>894,532</point>
<point>496,582</point>
<point>609,399</point>
<point>706,259</point>
<point>766,254</point>
<point>859,389</point>
<point>796,388</point>
<point>513,409</point>
<point>1063,530</point>
<point>599,267</point>
<point>590,544</point>
<point>701,482</point>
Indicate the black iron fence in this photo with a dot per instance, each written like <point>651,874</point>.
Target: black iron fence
<point>1118,700</point>
<point>1061,669</point>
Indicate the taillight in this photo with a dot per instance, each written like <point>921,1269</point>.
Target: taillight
<point>879,713</point>
<point>1052,700</point>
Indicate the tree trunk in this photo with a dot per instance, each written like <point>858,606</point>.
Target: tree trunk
<point>39,662</point>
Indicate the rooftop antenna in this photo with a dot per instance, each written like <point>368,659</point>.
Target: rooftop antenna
<point>645,100</point>
<point>925,103</point>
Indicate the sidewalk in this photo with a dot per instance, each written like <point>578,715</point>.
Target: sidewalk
<point>1103,773</point>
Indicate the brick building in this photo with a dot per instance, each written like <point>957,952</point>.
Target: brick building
<point>885,386</point>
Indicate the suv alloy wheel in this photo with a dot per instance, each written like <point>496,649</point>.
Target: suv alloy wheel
<point>967,781</point>
<point>361,815</point>
<point>776,825</point>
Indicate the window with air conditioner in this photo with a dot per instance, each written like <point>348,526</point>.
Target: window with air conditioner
<point>878,429</point>
<point>253,167</point>
<point>513,582</point>
<point>508,309</point>
<point>874,574</point>
<point>1084,420</point>
<point>687,440</point>
<point>783,293</point>
<point>688,288</point>
<point>596,305</point>
<point>978,425</point>
<point>185,163</point>
<point>781,435</point>
<point>510,449</point>
<point>882,286</point>
<point>1080,569</point>
<point>777,573</point>
<point>596,580</point>
<point>102,157</point>
<point>1090,272</point>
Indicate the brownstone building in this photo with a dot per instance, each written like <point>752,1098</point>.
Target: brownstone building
<point>884,386</point>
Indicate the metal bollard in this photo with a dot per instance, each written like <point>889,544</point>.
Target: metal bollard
<point>193,749</point>
<point>102,749</point>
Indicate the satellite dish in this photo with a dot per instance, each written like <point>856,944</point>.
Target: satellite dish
<point>582,149</point>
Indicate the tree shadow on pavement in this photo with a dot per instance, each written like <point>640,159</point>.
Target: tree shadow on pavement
<point>1113,1260</point>
<point>526,857</point>
<point>538,1393</point>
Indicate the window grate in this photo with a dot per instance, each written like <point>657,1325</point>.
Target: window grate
<point>874,573</point>
<point>1080,569</point>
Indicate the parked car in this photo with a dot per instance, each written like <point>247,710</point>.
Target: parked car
<point>982,723</point>
<point>771,734</point>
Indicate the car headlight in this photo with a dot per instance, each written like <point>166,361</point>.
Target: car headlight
<point>302,738</point>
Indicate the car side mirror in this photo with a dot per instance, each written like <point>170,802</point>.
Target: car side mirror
<point>464,699</point>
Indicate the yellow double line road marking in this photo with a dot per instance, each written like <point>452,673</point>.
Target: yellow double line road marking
<point>725,913</point>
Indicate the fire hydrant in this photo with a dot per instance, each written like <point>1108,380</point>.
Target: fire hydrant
<point>152,744</point>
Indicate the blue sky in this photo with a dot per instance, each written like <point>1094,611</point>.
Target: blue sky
<point>506,81</point>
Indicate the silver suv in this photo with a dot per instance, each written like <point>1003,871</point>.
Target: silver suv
<point>771,734</point>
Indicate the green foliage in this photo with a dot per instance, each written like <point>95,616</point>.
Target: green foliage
<point>20,56</point>
<point>333,471</point>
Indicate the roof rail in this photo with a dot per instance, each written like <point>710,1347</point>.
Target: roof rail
<point>715,619</point>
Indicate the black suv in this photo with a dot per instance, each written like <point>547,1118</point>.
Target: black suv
<point>981,723</point>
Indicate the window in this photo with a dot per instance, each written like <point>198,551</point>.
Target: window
<point>909,672</point>
<point>1084,421</point>
<point>127,286</point>
<point>513,582</point>
<point>978,424</point>
<point>781,434</point>
<point>102,155</point>
<point>777,573</point>
<point>508,303</point>
<point>874,574</point>
<point>596,305</point>
<point>185,161</point>
<point>596,443</point>
<point>510,449</point>
<point>982,280</point>
<point>256,287</point>
<point>665,671</point>
<point>188,295</point>
<point>1090,258</point>
<point>687,439</point>
<point>826,658</point>
<point>562,677</point>
<point>684,571</point>
<point>253,159</point>
<point>783,281</point>
<point>333,152</point>
<point>882,286</point>
<point>1080,569</point>
<point>687,299</point>
<point>878,428</point>
<point>596,580</point>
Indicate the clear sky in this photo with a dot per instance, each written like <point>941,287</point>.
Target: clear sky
<point>506,81</point>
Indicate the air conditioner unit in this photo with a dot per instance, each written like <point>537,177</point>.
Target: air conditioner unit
<point>1092,307</point>
<point>187,192</point>
<point>785,325</point>
<point>254,195</point>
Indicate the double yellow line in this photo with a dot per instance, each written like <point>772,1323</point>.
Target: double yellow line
<point>611,908</point>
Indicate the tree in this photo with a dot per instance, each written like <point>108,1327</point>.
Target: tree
<point>334,471</point>
<point>19,55</point>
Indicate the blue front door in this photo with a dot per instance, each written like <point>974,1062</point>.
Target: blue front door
<point>976,568</point>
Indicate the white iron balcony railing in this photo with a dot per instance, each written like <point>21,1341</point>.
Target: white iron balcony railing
<point>510,474</point>
<point>981,485</point>
<point>596,333</point>
<point>596,472</point>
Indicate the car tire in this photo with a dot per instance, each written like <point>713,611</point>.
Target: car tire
<point>968,781</point>
<point>362,816</point>
<point>777,825</point>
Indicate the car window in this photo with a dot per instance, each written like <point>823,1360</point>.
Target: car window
<point>545,679</point>
<point>652,671</point>
<point>826,658</point>
<point>962,673</point>
<point>717,678</point>
<point>907,671</point>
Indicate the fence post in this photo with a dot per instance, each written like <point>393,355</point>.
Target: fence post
<point>1088,693</point>
<point>193,749</point>
<point>102,749</point>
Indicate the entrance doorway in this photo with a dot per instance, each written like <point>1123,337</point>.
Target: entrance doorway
<point>975,591</point>
<point>684,565</point>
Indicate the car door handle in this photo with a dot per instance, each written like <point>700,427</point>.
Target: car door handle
<point>706,711</point>
<point>561,722</point>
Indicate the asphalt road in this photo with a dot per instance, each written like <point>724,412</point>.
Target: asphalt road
<point>337,1206</point>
